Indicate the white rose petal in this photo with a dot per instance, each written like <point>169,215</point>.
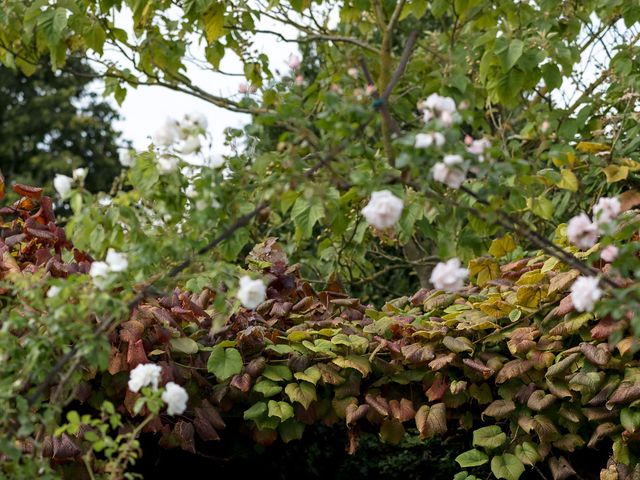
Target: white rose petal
<point>105,200</point>
<point>383,210</point>
<point>117,262</point>
<point>449,276</point>
<point>144,375</point>
<point>606,210</point>
<point>477,147</point>
<point>197,119</point>
<point>251,292</point>
<point>581,232</point>
<point>449,171</point>
<point>191,145</point>
<point>175,397</point>
<point>426,140</point>
<point>62,184</point>
<point>79,174</point>
<point>609,253</point>
<point>191,192</point>
<point>167,134</point>
<point>167,164</point>
<point>585,293</point>
<point>99,269</point>
<point>53,291</point>
<point>216,161</point>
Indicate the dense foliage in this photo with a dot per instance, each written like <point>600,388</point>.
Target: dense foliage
<point>51,123</point>
<point>414,145</point>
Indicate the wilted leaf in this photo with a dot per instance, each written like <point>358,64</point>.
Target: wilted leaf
<point>513,369</point>
<point>499,409</point>
<point>484,269</point>
<point>356,362</point>
<point>596,354</point>
<point>431,420</point>
<point>418,353</point>
<point>458,344</point>
<point>539,400</point>
<point>560,468</point>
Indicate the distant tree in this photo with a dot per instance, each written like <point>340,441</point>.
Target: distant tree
<point>52,122</point>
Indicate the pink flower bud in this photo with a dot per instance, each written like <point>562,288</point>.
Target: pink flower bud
<point>609,253</point>
<point>371,89</point>
<point>299,80</point>
<point>294,62</point>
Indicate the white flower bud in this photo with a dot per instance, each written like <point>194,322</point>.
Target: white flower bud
<point>383,210</point>
<point>251,292</point>
<point>585,293</point>
<point>449,276</point>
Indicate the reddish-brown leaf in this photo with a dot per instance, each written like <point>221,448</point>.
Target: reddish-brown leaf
<point>184,431</point>
<point>136,354</point>
<point>402,410</point>
<point>437,389</point>
<point>431,420</point>
<point>25,190</point>
<point>478,366</point>
<point>355,412</point>
<point>513,369</point>
<point>64,448</point>
<point>596,354</point>
<point>242,382</point>
<point>378,403</point>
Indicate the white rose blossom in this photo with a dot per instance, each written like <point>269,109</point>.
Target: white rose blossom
<point>196,120</point>
<point>606,210</point>
<point>53,291</point>
<point>251,292</point>
<point>450,171</point>
<point>582,232</point>
<point>437,106</point>
<point>216,161</point>
<point>426,140</point>
<point>79,174</point>
<point>449,276</point>
<point>167,134</point>
<point>190,191</point>
<point>116,261</point>
<point>609,253</point>
<point>62,184</point>
<point>144,375</point>
<point>477,147</point>
<point>585,293</point>
<point>294,62</point>
<point>176,398</point>
<point>383,210</point>
<point>190,145</point>
<point>99,269</point>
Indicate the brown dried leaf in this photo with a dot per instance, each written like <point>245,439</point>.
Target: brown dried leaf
<point>242,382</point>
<point>539,400</point>
<point>418,353</point>
<point>355,412</point>
<point>626,393</point>
<point>24,190</point>
<point>402,410</point>
<point>499,409</point>
<point>431,420</point>
<point>560,468</point>
<point>442,361</point>
<point>437,389</point>
<point>596,354</point>
<point>478,366</point>
<point>513,369</point>
<point>378,403</point>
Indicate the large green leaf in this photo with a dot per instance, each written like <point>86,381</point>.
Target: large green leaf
<point>507,466</point>
<point>224,362</point>
<point>303,393</point>
<point>489,437</point>
<point>472,458</point>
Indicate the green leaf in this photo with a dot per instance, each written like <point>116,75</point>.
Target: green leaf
<point>184,345</point>
<point>472,458</point>
<point>502,246</point>
<point>267,388</point>
<point>305,213</point>
<point>489,437</point>
<point>224,362</point>
<point>281,410</point>
<point>311,375</point>
<point>569,180</point>
<point>458,344</point>
<point>527,453</point>
<point>512,54</point>
<point>304,393</point>
<point>541,206</point>
<point>277,373</point>
<point>507,466</point>
<point>291,430</point>
<point>213,20</point>
<point>256,411</point>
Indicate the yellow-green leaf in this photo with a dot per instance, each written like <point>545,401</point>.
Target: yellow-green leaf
<point>616,173</point>
<point>569,180</point>
<point>501,246</point>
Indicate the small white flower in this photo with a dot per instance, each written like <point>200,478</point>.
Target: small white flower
<point>53,291</point>
<point>251,292</point>
<point>167,164</point>
<point>144,375</point>
<point>125,157</point>
<point>606,210</point>
<point>425,140</point>
<point>438,103</point>
<point>99,269</point>
<point>353,72</point>
<point>191,145</point>
<point>609,253</point>
<point>449,276</point>
<point>544,126</point>
<point>117,262</point>
<point>79,174</point>
<point>105,200</point>
<point>227,173</point>
<point>383,210</point>
<point>191,191</point>
<point>585,293</point>
<point>581,232</point>
<point>446,118</point>
<point>294,62</point>
<point>167,134</point>
<point>477,147</point>
<point>176,398</point>
<point>62,184</point>
<point>449,171</point>
<point>243,88</point>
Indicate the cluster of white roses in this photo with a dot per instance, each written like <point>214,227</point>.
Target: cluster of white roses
<point>451,170</point>
<point>63,183</point>
<point>584,234</point>
<point>148,375</point>
<point>186,131</point>
<point>114,262</point>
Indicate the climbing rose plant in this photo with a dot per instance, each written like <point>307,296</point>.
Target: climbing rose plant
<point>427,227</point>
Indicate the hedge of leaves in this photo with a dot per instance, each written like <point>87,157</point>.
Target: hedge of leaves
<point>507,360</point>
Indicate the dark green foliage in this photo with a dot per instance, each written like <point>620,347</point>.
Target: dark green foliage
<point>52,122</point>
